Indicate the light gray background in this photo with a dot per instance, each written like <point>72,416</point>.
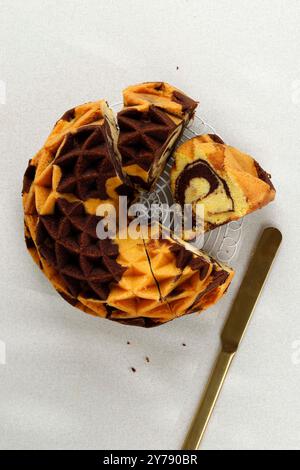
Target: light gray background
<point>67,382</point>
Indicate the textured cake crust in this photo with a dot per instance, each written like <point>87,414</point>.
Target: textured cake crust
<point>161,95</point>
<point>142,282</point>
<point>151,123</point>
<point>46,176</point>
<point>227,182</point>
<point>188,279</point>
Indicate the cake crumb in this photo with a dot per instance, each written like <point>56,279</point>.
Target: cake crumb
<point>147,359</point>
<point>128,342</point>
<point>183,344</point>
<point>177,68</point>
<point>133,369</point>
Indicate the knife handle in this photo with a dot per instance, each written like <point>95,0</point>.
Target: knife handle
<point>208,402</point>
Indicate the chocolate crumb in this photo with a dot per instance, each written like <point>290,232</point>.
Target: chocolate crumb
<point>183,344</point>
<point>128,342</point>
<point>147,359</point>
<point>177,68</point>
<point>133,369</point>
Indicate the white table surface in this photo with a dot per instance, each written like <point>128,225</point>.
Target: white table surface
<point>67,382</point>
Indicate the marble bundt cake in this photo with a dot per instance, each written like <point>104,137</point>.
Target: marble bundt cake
<point>151,122</point>
<point>143,282</point>
<point>226,182</point>
<point>188,279</point>
<point>74,163</point>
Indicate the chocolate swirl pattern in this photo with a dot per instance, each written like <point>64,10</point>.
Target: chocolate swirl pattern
<point>198,182</point>
<point>226,182</point>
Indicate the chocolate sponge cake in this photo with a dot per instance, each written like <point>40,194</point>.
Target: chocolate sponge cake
<point>150,124</point>
<point>225,181</point>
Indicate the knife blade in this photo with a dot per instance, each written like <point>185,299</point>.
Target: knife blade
<point>234,330</point>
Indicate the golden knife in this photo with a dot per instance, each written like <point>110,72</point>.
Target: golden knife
<point>234,330</point>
